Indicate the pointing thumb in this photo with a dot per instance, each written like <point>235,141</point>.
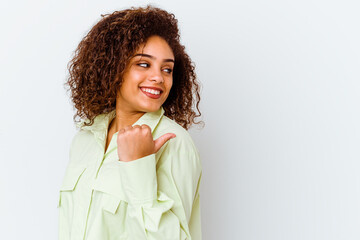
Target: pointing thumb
<point>162,140</point>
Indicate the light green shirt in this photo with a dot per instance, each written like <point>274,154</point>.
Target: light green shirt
<point>154,197</point>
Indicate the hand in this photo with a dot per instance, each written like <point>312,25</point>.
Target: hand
<point>134,142</point>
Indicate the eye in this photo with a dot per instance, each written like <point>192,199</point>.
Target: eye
<point>168,70</point>
<point>143,64</point>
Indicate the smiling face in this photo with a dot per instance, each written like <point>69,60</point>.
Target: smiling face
<point>148,77</point>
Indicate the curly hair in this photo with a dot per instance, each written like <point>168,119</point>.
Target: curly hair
<point>99,62</point>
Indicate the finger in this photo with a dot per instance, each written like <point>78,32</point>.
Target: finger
<point>137,128</point>
<point>162,140</point>
<point>145,126</point>
<point>146,130</point>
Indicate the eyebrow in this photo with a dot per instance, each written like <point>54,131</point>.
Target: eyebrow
<point>152,57</point>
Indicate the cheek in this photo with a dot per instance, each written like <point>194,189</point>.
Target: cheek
<point>169,84</point>
<point>126,90</point>
<point>130,86</point>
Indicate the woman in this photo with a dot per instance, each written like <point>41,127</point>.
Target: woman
<point>132,82</point>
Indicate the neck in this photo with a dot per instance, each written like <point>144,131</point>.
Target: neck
<point>124,118</point>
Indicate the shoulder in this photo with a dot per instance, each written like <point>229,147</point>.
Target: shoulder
<point>182,144</point>
<point>80,137</point>
<point>83,143</point>
<point>167,125</point>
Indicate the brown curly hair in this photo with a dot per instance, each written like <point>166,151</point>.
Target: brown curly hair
<point>99,61</point>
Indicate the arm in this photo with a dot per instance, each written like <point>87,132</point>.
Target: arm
<point>163,197</point>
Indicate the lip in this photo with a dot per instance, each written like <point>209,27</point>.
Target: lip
<point>150,95</point>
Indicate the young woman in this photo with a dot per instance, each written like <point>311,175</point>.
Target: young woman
<point>131,82</point>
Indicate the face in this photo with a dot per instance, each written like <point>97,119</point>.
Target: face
<point>148,77</point>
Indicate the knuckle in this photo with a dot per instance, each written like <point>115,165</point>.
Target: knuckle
<point>120,136</point>
<point>145,127</point>
<point>146,131</point>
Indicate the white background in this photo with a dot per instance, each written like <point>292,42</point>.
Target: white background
<point>280,100</point>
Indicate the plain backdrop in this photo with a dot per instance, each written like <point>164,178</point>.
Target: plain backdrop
<point>280,101</point>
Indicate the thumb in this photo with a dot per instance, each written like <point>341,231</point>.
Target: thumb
<point>162,140</point>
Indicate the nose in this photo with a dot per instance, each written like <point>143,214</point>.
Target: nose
<point>156,76</point>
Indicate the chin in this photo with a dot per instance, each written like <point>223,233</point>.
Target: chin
<point>151,108</point>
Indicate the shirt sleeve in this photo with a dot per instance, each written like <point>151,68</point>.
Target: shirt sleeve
<point>163,196</point>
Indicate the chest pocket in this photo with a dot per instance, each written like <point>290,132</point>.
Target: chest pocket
<point>109,190</point>
<point>71,178</point>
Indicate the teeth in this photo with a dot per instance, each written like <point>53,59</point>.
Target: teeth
<point>152,91</point>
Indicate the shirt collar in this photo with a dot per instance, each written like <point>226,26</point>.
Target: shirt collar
<point>101,122</point>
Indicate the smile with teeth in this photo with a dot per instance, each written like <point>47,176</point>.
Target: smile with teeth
<point>152,91</point>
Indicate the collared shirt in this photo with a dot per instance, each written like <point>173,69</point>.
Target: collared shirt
<point>154,197</point>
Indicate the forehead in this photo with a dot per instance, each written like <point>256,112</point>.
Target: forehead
<point>157,47</point>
